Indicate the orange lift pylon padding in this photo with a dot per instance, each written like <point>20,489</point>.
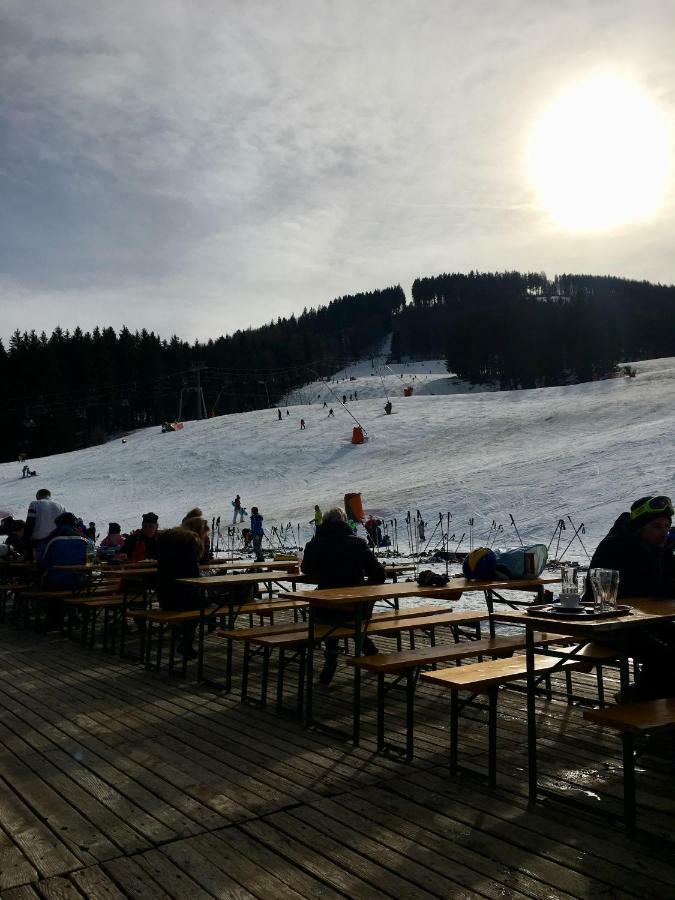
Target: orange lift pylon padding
<point>358,436</point>
<point>354,507</point>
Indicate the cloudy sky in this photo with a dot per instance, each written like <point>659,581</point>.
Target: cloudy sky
<point>195,167</point>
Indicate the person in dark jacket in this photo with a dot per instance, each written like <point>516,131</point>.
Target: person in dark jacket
<point>638,547</point>
<point>142,544</point>
<point>336,558</point>
<point>257,534</point>
<point>179,550</point>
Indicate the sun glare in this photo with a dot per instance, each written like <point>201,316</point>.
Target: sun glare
<point>599,156</point>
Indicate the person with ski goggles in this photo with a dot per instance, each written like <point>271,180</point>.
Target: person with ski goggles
<point>640,548</point>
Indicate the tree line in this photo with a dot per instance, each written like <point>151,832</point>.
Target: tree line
<point>72,389</point>
<point>523,330</point>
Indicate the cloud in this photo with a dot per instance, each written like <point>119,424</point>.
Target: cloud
<point>200,167</point>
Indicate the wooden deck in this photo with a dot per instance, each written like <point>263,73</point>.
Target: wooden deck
<point>117,782</point>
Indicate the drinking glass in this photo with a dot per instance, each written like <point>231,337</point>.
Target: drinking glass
<point>568,576</point>
<point>605,584</point>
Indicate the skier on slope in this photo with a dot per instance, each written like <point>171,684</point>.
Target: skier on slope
<point>257,532</point>
<point>236,503</point>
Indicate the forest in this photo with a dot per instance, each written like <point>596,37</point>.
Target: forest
<point>70,390</point>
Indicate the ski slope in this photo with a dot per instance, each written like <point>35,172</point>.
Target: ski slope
<point>586,450</point>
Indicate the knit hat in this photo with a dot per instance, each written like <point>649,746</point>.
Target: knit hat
<point>151,518</point>
<point>646,509</point>
<point>66,519</point>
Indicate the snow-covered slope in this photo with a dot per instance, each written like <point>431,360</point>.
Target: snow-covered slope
<point>587,450</point>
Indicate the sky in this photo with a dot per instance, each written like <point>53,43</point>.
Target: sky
<point>196,168</point>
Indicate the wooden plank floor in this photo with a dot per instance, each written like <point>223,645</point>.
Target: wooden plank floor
<point>119,782</point>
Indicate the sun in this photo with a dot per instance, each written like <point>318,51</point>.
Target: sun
<point>599,156</point>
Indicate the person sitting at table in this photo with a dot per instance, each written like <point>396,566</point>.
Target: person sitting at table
<point>15,539</point>
<point>207,555</point>
<point>142,544</point>
<point>336,558</point>
<point>179,550</point>
<point>64,546</point>
<point>112,543</point>
<point>637,547</point>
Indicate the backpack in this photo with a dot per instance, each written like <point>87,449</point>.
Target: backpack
<point>427,578</point>
<point>521,562</point>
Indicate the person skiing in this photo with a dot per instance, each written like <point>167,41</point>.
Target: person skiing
<point>302,424</point>
<point>236,503</point>
<point>344,398</point>
<point>279,414</point>
<point>257,533</point>
<point>331,413</point>
<point>388,407</point>
<point>324,404</point>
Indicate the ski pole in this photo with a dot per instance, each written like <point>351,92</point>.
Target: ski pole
<point>440,520</point>
<point>573,538</point>
<point>513,522</point>
<point>581,529</point>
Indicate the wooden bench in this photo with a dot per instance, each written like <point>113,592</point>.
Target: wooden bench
<point>7,589</point>
<point>408,665</point>
<point>487,678</point>
<point>296,639</point>
<point>89,606</point>
<point>631,719</point>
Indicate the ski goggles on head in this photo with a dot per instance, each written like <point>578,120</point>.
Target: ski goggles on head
<point>654,505</point>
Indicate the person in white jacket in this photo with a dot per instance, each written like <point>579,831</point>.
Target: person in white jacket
<point>40,520</point>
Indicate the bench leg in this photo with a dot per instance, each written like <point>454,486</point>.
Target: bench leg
<point>92,632</point>
<point>380,711</point>
<point>302,657</point>
<point>265,676</point>
<point>160,642</point>
<point>84,627</point>
<point>568,686</point>
<point>454,730</point>
<point>147,644</point>
<point>244,671</point>
<point>492,737</point>
<point>628,781</point>
<point>601,684</point>
<point>228,664</point>
<point>106,626</point>
<point>172,650</point>
<point>280,679</point>
<point>411,677</point>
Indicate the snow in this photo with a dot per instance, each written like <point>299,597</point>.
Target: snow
<point>585,450</point>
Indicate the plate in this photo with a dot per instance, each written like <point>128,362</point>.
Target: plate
<point>579,612</point>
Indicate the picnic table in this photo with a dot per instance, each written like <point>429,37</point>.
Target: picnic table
<point>644,611</point>
<point>360,598</point>
<point>233,603</point>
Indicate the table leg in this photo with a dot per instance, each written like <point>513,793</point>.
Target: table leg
<point>531,716</point>
<point>358,650</point>
<point>489,600</point>
<point>309,667</point>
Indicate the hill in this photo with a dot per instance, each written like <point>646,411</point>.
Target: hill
<point>586,449</point>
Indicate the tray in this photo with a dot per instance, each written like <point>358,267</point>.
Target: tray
<point>583,613</point>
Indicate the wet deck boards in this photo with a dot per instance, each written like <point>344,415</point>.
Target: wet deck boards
<point>118,782</point>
